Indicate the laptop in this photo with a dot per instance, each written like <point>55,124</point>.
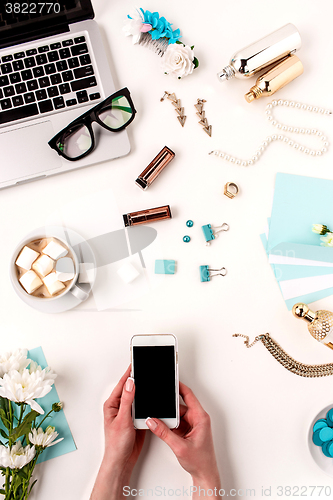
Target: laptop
<point>53,67</point>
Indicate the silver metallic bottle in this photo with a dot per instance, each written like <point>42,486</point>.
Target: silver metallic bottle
<point>265,52</point>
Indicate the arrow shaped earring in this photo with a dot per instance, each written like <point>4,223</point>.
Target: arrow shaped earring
<point>178,107</point>
<point>201,114</point>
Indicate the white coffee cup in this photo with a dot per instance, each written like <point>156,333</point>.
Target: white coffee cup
<point>73,288</point>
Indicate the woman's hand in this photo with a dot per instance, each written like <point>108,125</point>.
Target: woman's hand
<point>191,442</point>
<point>123,443</point>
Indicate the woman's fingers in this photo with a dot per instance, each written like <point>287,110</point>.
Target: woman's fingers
<point>112,404</point>
<point>127,397</point>
<point>189,398</point>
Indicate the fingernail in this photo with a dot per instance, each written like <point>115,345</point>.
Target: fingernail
<point>151,423</point>
<point>129,384</point>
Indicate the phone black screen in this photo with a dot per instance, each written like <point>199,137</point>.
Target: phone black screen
<point>154,374</point>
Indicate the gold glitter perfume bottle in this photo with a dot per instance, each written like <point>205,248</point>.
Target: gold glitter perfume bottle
<point>276,78</point>
<point>320,323</point>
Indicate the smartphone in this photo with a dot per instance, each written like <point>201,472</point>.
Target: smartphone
<point>155,372</point>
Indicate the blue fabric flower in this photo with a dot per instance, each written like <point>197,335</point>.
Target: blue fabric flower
<point>175,35</point>
<point>161,27</point>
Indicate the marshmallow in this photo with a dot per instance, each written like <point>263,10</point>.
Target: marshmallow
<point>30,281</point>
<point>26,258</point>
<point>43,265</point>
<point>128,273</point>
<point>53,284</point>
<point>65,269</point>
<point>86,272</point>
<point>55,250</point>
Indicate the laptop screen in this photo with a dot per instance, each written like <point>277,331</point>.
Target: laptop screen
<point>24,20</point>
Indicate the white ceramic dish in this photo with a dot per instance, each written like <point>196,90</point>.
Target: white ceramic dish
<point>325,463</point>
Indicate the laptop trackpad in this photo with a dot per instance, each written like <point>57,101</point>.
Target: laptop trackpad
<point>25,152</point>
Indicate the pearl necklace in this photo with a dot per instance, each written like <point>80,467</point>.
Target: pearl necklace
<point>281,137</point>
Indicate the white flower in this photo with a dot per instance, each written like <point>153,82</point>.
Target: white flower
<point>319,229</point>
<point>13,360</point>
<point>16,457</point>
<point>27,385</point>
<point>44,439</point>
<point>327,240</point>
<point>178,60</point>
<point>135,25</point>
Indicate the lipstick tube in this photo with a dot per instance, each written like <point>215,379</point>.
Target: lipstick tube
<point>155,167</point>
<point>147,216</point>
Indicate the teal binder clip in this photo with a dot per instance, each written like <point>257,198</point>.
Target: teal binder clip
<point>206,273</point>
<point>210,232</point>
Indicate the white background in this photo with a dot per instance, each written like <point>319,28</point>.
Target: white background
<point>260,412</point>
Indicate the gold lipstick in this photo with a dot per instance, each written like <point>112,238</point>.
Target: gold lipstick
<point>147,216</point>
<point>155,167</point>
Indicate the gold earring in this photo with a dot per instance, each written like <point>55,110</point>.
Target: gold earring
<point>176,102</point>
<point>201,114</point>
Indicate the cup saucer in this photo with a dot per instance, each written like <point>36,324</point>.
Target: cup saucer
<point>84,254</point>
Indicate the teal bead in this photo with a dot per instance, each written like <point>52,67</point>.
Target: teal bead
<point>189,223</point>
<point>325,434</point>
<point>316,439</point>
<point>327,449</point>
<point>319,424</point>
<point>186,239</point>
<point>329,417</point>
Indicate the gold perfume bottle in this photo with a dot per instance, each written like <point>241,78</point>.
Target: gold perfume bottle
<point>320,323</point>
<point>276,78</point>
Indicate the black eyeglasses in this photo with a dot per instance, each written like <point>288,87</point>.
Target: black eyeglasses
<point>77,140</point>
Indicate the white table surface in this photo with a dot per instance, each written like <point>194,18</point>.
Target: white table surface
<point>260,412</point>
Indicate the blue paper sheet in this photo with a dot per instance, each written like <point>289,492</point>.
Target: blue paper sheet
<point>284,272</point>
<point>298,203</point>
<point>57,420</point>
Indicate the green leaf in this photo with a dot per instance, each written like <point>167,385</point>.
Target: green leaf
<point>2,492</point>
<point>3,434</point>
<point>195,62</point>
<point>33,484</point>
<point>178,41</point>
<point>192,47</point>
<point>3,416</point>
<point>25,426</point>
<point>22,473</point>
<point>4,406</point>
<point>17,480</point>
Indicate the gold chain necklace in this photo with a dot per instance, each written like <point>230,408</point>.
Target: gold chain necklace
<point>287,361</point>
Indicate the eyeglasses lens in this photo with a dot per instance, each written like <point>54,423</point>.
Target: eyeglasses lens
<point>75,142</point>
<point>117,113</point>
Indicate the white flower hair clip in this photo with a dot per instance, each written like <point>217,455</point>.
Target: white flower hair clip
<point>151,30</point>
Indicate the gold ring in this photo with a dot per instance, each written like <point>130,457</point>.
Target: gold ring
<point>234,189</point>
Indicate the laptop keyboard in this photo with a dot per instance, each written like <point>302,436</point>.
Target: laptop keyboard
<point>46,79</point>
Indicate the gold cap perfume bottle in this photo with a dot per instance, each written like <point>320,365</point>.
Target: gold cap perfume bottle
<point>276,78</point>
<point>320,323</point>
